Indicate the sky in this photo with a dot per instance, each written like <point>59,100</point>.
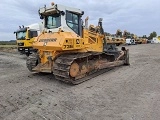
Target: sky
<point>140,17</point>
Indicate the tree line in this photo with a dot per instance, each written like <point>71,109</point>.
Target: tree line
<point>151,36</point>
<point>11,42</point>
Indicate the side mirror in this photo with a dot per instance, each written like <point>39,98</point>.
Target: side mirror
<point>82,13</point>
<point>62,13</point>
<point>41,17</point>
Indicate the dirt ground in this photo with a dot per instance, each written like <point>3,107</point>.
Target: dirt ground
<point>124,93</point>
<point>8,49</point>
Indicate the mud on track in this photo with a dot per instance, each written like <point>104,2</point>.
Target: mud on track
<point>125,93</point>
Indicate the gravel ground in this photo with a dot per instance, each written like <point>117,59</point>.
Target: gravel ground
<point>124,93</point>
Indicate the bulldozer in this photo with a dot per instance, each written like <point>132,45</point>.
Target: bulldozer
<point>25,37</point>
<point>71,51</point>
<point>140,40</point>
<point>109,38</point>
<point>143,39</point>
<point>119,39</point>
<point>116,39</point>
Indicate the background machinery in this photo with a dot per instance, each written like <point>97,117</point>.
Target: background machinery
<point>110,39</point>
<point>71,51</point>
<point>140,40</point>
<point>116,39</point>
<point>119,39</point>
<point>25,37</point>
<point>129,38</point>
<point>143,39</point>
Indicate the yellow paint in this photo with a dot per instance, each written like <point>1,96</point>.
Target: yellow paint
<point>116,40</point>
<point>52,44</point>
<point>27,42</point>
<point>141,40</point>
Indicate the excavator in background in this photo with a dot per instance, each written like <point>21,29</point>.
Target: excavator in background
<point>25,37</point>
<point>71,51</point>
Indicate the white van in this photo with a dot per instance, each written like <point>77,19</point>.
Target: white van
<point>130,41</point>
<point>155,40</point>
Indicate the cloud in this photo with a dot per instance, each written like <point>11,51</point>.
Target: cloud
<point>137,16</point>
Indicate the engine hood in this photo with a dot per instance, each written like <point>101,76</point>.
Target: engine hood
<point>53,41</point>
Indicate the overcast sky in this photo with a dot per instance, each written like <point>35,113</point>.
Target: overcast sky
<point>136,16</point>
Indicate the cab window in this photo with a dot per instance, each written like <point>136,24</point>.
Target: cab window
<point>53,21</point>
<point>34,34</point>
<point>72,20</point>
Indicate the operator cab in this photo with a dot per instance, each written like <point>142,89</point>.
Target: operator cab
<point>25,33</point>
<point>21,33</point>
<point>61,17</point>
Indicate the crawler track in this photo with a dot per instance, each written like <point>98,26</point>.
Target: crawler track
<point>32,61</point>
<point>63,63</point>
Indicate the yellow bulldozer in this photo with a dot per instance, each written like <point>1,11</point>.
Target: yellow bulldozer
<point>119,38</point>
<point>73,52</point>
<point>109,38</point>
<point>116,39</point>
<point>140,40</point>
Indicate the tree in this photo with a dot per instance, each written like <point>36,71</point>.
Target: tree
<point>144,36</point>
<point>153,34</point>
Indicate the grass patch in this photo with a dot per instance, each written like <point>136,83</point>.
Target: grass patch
<point>8,46</point>
<point>12,42</point>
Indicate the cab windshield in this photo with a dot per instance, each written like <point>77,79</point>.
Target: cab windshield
<point>53,21</point>
<point>21,35</point>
